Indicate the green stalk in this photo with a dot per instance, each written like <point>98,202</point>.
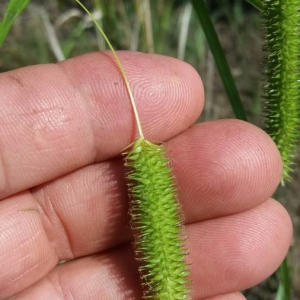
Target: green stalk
<point>283,272</point>
<point>13,10</point>
<point>284,290</point>
<point>257,3</point>
<point>220,59</point>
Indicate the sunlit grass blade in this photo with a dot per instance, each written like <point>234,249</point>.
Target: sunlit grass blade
<point>284,290</point>
<point>184,29</point>
<point>51,35</point>
<point>257,3</point>
<point>13,10</point>
<point>219,56</point>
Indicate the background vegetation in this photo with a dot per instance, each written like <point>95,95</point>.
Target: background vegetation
<point>49,31</point>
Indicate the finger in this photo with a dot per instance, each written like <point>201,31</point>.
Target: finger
<point>26,254</point>
<point>239,251</point>
<point>57,118</point>
<point>86,212</point>
<point>235,296</point>
<point>228,254</point>
<point>108,276</point>
<point>224,167</point>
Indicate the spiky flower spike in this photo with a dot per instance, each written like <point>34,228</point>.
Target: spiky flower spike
<point>282,89</point>
<point>157,222</point>
<point>155,212</point>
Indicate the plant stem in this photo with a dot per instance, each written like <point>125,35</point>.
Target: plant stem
<point>219,56</point>
<point>284,289</point>
<point>257,3</point>
<point>283,272</point>
<point>119,65</point>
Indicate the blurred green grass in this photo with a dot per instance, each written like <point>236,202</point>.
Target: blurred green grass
<point>13,10</point>
<point>51,31</point>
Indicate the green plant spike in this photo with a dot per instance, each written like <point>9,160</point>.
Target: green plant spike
<point>157,222</point>
<point>13,10</point>
<point>156,217</point>
<point>282,88</point>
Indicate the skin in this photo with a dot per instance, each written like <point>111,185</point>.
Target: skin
<point>63,194</point>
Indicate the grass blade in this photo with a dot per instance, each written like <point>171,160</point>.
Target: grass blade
<point>284,290</point>
<point>219,56</point>
<point>184,30</point>
<point>257,3</point>
<point>51,35</point>
<point>13,10</point>
<point>280,293</point>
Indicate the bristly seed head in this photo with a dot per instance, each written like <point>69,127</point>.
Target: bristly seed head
<point>282,88</point>
<point>158,223</point>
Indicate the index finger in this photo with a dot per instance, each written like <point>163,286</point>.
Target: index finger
<point>57,118</point>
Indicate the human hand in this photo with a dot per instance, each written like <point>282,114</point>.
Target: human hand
<point>62,129</point>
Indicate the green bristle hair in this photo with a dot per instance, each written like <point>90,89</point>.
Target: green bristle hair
<point>282,89</point>
<point>156,217</point>
<point>157,221</point>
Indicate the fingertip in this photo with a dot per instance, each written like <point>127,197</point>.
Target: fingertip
<point>262,136</point>
<point>240,250</point>
<point>283,226</point>
<point>170,97</point>
<point>257,153</point>
<point>227,166</point>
